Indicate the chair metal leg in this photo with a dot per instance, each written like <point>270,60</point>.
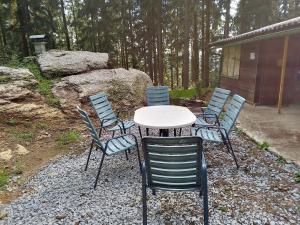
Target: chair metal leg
<point>140,132</point>
<point>175,132</point>
<point>180,130</point>
<point>205,205</point>
<point>232,153</point>
<point>99,170</point>
<point>144,193</point>
<point>147,131</point>
<point>139,157</point>
<point>89,155</point>
<point>126,154</point>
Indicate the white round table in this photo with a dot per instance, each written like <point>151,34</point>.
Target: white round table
<point>164,117</point>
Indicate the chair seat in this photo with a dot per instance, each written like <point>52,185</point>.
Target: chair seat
<point>127,124</point>
<point>208,135</point>
<point>119,144</point>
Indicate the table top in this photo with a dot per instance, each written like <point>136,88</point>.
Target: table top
<point>164,117</point>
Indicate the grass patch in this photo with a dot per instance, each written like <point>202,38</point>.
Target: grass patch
<point>41,126</point>
<point>263,146</point>
<point>44,85</point>
<point>191,93</point>
<point>24,136</point>
<point>281,160</point>
<point>223,208</point>
<point>4,80</point>
<point>184,94</point>
<point>297,180</point>
<point>69,137</point>
<point>11,122</point>
<point>4,178</point>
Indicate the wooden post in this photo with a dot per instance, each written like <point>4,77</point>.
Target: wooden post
<point>283,72</point>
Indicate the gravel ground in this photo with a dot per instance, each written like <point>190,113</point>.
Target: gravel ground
<point>262,191</point>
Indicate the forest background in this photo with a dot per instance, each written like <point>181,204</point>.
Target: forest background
<point>165,38</point>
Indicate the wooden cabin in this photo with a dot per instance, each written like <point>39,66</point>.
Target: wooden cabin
<point>264,65</point>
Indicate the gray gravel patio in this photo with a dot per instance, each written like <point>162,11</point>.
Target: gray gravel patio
<point>262,191</point>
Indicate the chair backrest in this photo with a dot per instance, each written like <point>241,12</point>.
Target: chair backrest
<point>103,107</point>
<point>158,95</point>
<point>233,110</point>
<point>217,101</point>
<point>86,119</point>
<point>173,163</point>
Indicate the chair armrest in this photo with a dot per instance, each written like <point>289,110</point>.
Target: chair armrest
<point>206,115</point>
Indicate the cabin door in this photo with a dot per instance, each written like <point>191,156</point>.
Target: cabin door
<point>292,87</point>
<point>269,68</point>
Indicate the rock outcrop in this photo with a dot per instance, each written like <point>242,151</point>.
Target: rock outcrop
<point>63,63</point>
<point>18,97</point>
<point>125,88</point>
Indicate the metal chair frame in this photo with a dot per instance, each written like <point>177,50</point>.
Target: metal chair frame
<point>114,145</point>
<point>179,164</point>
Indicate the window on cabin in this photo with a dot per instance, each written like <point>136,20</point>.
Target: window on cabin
<point>231,62</point>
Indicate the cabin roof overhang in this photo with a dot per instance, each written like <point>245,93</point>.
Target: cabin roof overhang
<point>276,30</point>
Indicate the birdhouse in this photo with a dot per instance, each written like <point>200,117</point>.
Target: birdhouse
<point>39,42</point>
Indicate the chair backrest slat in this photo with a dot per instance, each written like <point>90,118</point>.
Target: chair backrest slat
<point>158,95</point>
<point>217,101</point>
<point>233,110</point>
<point>86,119</point>
<point>173,163</point>
<point>103,107</point>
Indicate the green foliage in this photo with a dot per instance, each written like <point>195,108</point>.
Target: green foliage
<point>4,80</point>
<point>11,122</point>
<point>183,94</point>
<point>223,208</point>
<point>263,146</point>
<point>4,178</point>
<point>41,126</point>
<point>69,137</point>
<point>297,177</point>
<point>44,85</point>
<point>281,160</point>
<point>24,136</point>
<point>191,93</point>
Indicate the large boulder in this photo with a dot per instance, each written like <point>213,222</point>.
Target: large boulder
<point>63,63</point>
<point>125,88</point>
<point>16,84</point>
<point>18,96</point>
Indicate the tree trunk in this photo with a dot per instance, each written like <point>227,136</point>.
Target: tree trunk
<point>65,26</point>
<point>172,78</point>
<point>202,41</point>
<point>195,55</point>
<point>74,6</point>
<point>186,52</point>
<point>226,35</point>
<point>155,61</point>
<point>23,17</point>
<point>159,44</point>
<point>3,33</point>
<point>207,40</point>
<point>227,18</point>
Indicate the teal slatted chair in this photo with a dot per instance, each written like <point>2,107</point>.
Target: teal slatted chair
<point>109,147</point>
<point>214,108</point>
<point>108,119</point>
<point>220,133</point>
<point>174,164</point>
<point>158,95</point>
